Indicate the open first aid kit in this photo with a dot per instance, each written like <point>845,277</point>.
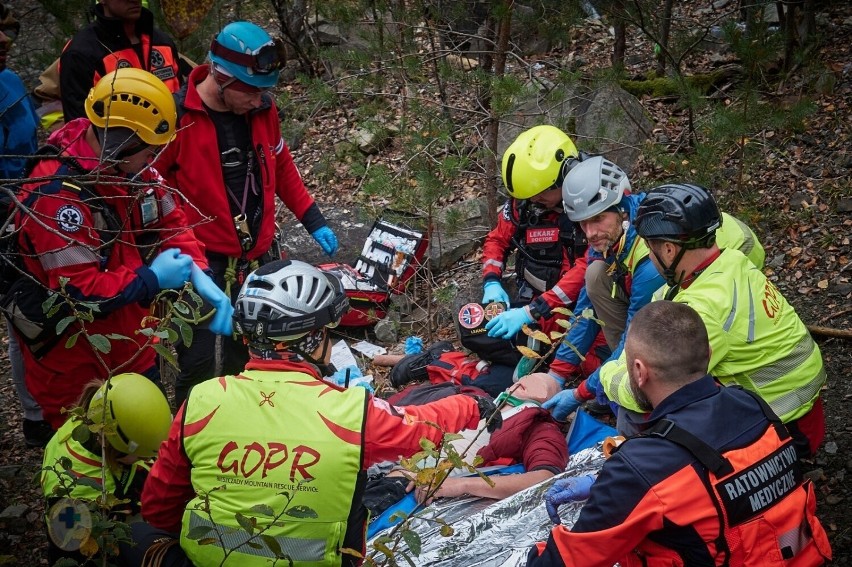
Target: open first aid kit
<point>387,262</point>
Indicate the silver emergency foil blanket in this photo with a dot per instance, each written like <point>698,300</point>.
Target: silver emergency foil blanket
<point>494,533</point>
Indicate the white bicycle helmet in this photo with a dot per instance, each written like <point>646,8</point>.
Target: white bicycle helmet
<point>591,187</point>
<point>287,299</point>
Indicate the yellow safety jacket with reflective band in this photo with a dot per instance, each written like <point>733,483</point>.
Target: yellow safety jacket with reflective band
<point>277,455</point>
<point>734,233</point>
<point>85,466</point>
<point>757,339</point>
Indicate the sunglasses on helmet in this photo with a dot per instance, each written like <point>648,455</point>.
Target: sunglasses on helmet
<point>266,59</point>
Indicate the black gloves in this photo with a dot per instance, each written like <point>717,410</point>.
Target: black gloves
<point>489,412</point>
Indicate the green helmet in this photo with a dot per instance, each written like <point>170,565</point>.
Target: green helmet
<point>533,163</point>
<point>137,415</point>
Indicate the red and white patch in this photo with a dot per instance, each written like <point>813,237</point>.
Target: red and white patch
<point>493,309</point>
<point>471,315</point>
<point>542,235</point>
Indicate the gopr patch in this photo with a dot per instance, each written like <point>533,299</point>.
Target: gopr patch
<point>471,315</point>
<point>70,218</point>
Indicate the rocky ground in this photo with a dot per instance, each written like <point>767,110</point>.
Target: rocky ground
<point>798,198</point>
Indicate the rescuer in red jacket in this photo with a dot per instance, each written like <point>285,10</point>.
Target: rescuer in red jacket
<point>550,249</point>
<point>278,435</point>
<point>89,222</point>
<point>229,162</point>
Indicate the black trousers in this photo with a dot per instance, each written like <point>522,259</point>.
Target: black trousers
<point>210,355</point>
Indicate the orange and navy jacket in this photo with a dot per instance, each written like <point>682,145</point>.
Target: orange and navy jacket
<point>654,502</point>
<point>388,433</point>
<point>204,186</point>
<point>64,238</point>
<point>102,47</point>
<point>553,226</point>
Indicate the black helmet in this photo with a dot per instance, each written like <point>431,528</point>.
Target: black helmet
<point>682,213</point>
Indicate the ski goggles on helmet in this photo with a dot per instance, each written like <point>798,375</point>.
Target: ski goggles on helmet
<point>264,60</point>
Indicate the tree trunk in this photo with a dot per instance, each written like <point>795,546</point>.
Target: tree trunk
<point>620,28</point>
<point>504,28</point>
<point>665,31</point>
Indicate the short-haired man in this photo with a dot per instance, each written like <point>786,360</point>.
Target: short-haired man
<point>228,122</point>
<point>691,489</point>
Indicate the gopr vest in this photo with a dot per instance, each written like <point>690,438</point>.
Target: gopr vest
<point>276,458</point>
<point>543,240</point>
<point>757,340</point>
<point>85,464</point>
<point>766,512</point>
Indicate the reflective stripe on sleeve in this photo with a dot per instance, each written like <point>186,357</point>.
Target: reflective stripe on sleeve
<point>73,255</point>
<point>563,297</point>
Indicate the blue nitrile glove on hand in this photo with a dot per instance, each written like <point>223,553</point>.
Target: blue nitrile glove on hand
<point>326,239</point>
<point>413,345</point>
<point>564,490</point>
<point>339,378</point>
<point>172,268</point>
<point>221,323</point>
<point>562,404</point>
<point>507,324</point>
<point>493,291</point>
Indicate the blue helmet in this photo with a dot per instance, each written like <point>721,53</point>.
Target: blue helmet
<point>248,54</point>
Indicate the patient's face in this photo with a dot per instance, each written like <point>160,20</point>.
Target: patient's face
<point>538,387</point>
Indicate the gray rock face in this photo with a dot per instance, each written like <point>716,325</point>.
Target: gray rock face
<point>461,228</point>
<point>614,124</point>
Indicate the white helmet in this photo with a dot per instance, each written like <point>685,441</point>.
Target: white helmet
<point>287,299</point>
<point>591,187</point>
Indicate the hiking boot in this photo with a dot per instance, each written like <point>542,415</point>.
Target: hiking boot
<point>37,433</point>
<point>412,368</point>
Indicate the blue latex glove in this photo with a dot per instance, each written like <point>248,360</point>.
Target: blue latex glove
<point>562,404</point>
<point>172,268</point>
<point>564,490</point>
<point>339,378</point>
<point>493,291</point>
<point>221,323</point>
<point>326,239</point>
<point>413,345</point>
<point>507,324</point>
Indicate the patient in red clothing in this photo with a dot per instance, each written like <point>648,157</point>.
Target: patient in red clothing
<point>529,436</point>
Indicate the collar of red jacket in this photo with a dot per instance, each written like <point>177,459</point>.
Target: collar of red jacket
<point>699,270</point>
<point>281,365</point>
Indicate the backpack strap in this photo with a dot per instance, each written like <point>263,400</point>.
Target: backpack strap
<point>707,455</point>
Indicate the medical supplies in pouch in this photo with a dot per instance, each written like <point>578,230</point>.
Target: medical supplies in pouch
<point>388,260</point>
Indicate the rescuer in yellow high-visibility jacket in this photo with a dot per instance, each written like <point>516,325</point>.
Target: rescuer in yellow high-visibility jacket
<point>271,463</point>
<point>757,339</point>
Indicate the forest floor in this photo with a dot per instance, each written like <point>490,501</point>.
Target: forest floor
<point>798,198</point>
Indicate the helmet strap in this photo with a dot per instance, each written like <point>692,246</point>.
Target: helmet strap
<point>325,369</point>
<point>670,273</point>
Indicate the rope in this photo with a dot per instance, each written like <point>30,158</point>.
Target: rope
<point>156,554</point>
<point>231,272</point>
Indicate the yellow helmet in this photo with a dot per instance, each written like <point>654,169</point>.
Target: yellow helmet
<point>533,163</point>
<point>137,415</point>
<point>134,99</point>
